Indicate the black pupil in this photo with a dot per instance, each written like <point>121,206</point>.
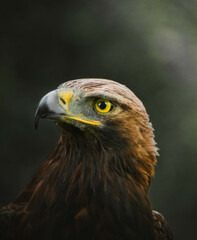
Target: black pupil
<point>102,105</point>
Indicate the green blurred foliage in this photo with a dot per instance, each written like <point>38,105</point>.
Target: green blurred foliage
<point>148,45</point>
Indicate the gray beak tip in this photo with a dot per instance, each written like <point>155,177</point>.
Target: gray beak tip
<point>37,119</point>
<point>48,108</point>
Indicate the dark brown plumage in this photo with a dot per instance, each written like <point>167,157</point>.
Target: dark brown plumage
<point>94,184</point>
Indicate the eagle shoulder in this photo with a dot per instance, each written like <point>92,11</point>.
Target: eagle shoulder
<point>162,229</point>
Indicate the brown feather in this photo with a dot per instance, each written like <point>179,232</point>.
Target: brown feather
<point>162,229</point>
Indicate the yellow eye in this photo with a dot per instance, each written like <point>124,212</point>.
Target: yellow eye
<point>103,105</point>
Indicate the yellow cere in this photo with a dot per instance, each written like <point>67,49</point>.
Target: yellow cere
<point>103,105</point>
<point>64,99</point>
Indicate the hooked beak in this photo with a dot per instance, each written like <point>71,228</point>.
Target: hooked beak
<point>55,106</point>
<point>49,108</point>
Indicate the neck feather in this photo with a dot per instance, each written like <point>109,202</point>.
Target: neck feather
<point>83,169</point>
<point>83,178</point>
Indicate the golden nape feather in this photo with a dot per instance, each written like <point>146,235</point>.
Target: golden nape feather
<point>94,184</point>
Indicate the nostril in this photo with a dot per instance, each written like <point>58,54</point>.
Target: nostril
<point>62,100</point>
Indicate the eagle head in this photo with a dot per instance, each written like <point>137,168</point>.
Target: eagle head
<point>106,114</point>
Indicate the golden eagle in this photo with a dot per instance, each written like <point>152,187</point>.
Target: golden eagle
<point>94,184</point>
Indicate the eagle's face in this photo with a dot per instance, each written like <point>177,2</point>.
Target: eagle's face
<point>89,104</point>
<point>85,109</point>
<point>105,111</point>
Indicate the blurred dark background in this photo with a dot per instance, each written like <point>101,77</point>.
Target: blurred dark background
<point>151,46</point>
